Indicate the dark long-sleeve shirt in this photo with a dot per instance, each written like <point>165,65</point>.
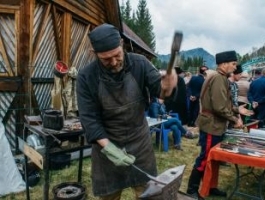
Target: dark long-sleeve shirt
<point>89,105</point>
<point>256,90</point>
<point>195,85</point>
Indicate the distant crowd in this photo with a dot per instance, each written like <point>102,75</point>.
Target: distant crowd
<point>246,89</point>
<point>250,87</point>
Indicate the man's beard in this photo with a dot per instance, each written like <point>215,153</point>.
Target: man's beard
<point>116,69</point>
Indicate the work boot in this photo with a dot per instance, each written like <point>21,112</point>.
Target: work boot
<point>178,147</point>
<point>194,182</point>
<point>217,192</point>
<point>196,196</point>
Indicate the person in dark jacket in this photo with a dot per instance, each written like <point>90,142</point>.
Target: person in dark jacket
<point>256,96</point>
<point>178,103</point>
<point>111,105</point>
<point>195,86</point>
<point>157,108</point>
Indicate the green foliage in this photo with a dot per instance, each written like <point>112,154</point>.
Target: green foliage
<point>191,64</point>
<point>140,22</point>
<point>159,64</point>
<point>126,15</point>
<point>143,25</point>
<point>255,53</point>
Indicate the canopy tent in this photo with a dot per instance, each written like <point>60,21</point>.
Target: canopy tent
<point>11,179</point>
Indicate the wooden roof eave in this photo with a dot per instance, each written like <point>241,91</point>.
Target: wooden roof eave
<point>78,11</point>
<point>138,45</point>
<point>113,13</point>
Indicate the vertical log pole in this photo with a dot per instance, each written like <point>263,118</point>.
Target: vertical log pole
<point>24,56</point>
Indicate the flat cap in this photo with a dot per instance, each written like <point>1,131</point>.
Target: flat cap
<point>104,38</point>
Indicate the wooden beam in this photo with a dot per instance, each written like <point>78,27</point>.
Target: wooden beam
<point>58,42</point>
<point>5,57</point>
<point>24,38</point>
<point>10,84</point>
<point>42,80</point>
<point>10,2</point>
<point>17,31</point>
<point>8,9</point>
<point>92,9</point>
<point>34,155</point>
<point>66,37</point>
<point>113,12</point>
<point>76,11</point>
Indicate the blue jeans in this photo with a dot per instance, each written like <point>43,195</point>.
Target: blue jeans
<point>176,126</point>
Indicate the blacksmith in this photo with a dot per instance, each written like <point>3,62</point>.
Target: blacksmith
<point>111,102</point>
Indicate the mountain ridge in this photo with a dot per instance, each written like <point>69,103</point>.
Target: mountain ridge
<point>196,52</point>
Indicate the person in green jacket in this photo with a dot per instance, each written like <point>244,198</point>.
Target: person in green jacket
<point>215,113</point>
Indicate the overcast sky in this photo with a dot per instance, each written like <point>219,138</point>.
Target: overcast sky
<point>214,25</point>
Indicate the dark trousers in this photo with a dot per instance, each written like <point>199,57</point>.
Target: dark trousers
<point>260,114</point>
<point>207,141</point>
<point>194,109</point>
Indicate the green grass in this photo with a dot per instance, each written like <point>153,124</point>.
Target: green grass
<point>165,161</point>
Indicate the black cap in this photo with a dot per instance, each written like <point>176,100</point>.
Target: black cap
<point>202,69</point>
<point>105,38</point>
<point>238,70</point>
<point>179,70</point>
<point>227,56</point>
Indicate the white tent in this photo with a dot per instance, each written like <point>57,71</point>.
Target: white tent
<point>10,178</point>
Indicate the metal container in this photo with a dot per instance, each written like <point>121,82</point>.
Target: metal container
<point>52,119</point>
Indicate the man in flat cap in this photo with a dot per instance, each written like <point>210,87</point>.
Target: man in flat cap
<point>111,101</point>
<point>216,111</point>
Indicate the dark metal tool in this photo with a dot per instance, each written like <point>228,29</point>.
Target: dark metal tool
<point>51,133</point>
<point>153,178</point>
<point>241,134</point>
<point>175,47</point>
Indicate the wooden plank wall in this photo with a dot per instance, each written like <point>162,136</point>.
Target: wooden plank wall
<point>34,34</point>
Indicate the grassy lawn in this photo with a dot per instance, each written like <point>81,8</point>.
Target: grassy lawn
<point>165,161</point>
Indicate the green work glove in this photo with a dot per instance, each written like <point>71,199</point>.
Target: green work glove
<point>118,156</point>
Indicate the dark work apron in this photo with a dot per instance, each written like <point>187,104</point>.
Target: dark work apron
<point>125,124</point>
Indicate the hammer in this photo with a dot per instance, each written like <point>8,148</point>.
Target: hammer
<point>175,47</point>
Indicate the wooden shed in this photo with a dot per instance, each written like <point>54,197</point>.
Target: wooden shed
<point>34,34</point>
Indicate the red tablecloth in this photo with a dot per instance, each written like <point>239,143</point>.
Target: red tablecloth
<point>216,154</point>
